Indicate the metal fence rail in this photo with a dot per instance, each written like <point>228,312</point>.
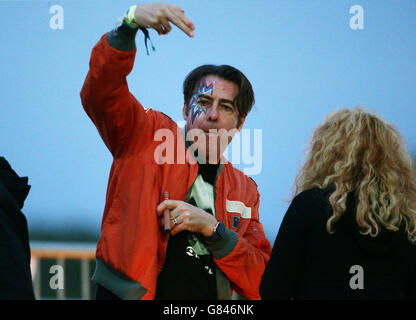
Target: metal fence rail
<point>62,251</point>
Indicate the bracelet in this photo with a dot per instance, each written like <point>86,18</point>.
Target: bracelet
<point>131,22</point>
<point>218,233</point>
<point>216,226</point>
<point>129,17</point>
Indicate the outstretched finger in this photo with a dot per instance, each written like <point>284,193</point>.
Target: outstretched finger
<point>183,23</point>
<point>181,15</point>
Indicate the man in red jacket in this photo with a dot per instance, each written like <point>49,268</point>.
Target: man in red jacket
<point>216,242</point>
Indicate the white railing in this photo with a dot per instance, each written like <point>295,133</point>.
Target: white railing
<point>61,251</point>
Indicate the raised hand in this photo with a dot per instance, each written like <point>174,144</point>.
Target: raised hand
<point>159,15</point>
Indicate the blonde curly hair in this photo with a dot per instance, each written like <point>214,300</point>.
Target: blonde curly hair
<point>356,151</point>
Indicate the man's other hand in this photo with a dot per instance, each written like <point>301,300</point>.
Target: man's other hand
<point>184,216</point>
<point>159,15</point>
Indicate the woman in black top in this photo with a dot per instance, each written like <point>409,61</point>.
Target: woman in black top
<point>350,231</point>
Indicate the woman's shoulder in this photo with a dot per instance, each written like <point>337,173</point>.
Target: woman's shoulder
<point>313,197</point>
<point>311,203</point>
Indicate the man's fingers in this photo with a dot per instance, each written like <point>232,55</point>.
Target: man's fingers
<point>157,26</point>
<point>167,204</point>
<point>176,212</point>
<point>161,223</point>
<point>174,222</point>
<point>178,228</point>
<point>182,22</point>
<point>181,15</point>
<point>164,22</point>
<point>158,16</point>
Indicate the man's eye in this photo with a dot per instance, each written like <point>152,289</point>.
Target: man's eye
<point>227,108</point>
<point>203,102</point>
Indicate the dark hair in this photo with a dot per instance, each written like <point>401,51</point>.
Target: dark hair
<point>244,100</point>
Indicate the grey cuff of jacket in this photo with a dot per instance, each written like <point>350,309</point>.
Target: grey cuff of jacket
<point>224,246</point>
<point>120,285</point>
<point>122,38</point>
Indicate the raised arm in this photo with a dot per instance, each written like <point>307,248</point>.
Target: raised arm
<point>105,95</point>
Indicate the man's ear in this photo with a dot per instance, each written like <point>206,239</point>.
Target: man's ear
<point>184,113</point>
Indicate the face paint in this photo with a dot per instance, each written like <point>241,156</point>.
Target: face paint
<point>197,111</point>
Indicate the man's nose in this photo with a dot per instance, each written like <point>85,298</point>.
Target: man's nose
<point>213,112</point>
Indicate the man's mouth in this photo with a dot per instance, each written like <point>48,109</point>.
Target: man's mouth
<point>211,131</point>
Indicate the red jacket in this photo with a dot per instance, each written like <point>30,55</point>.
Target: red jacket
<point>132,246</point>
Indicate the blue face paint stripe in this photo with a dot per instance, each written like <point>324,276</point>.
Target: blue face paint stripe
<point>197,111</point>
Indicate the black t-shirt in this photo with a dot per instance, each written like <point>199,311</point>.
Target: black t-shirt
<point>187,275</point>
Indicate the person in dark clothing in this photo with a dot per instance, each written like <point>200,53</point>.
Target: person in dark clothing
<point>15,276</point>
<point>350,230</point>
